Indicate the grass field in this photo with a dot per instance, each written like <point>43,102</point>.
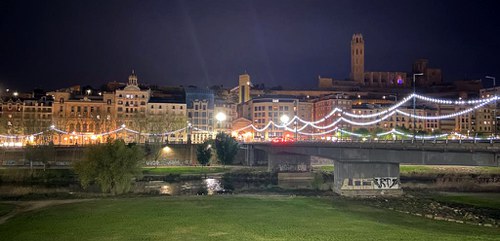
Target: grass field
<point>408,169</point>
<point>419,169</point>
<point>328,168</point>
<point>231,218</point>
<point>184,170</point>
<point>483,200</point>
<point>5,208</point>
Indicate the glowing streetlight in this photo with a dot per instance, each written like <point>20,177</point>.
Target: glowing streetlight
<point>166,149</point>
<point>284,119</point>
<point>220,117</point>
<point>89,91</point>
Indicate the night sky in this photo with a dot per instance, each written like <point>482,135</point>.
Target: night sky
<point>55,44</point>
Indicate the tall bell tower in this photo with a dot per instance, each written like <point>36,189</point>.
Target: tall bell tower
<point>244,90</point>
<point>357,58</point>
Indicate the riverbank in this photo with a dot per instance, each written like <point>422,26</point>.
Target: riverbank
<point>26,184</point>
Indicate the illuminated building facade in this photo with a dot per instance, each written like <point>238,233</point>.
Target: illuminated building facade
<point>200,113</point>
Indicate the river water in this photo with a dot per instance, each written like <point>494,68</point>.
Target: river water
<point>207,186</point>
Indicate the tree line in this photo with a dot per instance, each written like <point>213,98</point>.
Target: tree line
<point>113,165</point>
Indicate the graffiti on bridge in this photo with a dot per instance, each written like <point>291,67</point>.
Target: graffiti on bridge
<point>287,167</point>
<point>371,183</point>
<point>386,182</point>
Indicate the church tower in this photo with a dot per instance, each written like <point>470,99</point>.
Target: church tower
<point>244,88</point>
<point>357,58</point>
<point>132,79</point>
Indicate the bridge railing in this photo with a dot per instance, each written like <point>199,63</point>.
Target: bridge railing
<point>437,145</point>
<point>403,141</point>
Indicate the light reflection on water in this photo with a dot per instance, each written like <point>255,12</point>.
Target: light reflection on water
<point>207,186</point>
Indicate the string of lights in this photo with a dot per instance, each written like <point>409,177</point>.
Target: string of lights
<point>318,133</point>
<point>313,124</point>
<point>395,106</point>
<point>386,113</point>
<point>393,131</point>
<point>20,136</point>
<point>449,102</point>
<point>463,112</point>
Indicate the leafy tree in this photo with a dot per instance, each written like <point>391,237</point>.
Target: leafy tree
<point>204,153</point>
<point>362,131</point>
<point>41,153</point>
<point>111,165</point>
<point>402,129</point>
<point>376,131</point>
<point>4,123</point>
<point>226,147</point>
<point>165,123</point>
<point>154,151</point>
<point>422,133</point>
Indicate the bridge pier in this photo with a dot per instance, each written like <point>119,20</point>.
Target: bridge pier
<point>366,178</point>
<point>288,162</point>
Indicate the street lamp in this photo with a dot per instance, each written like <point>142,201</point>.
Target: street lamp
<point>494,110</point>
<point>166,149</point>
<point>414,103</point>
<point>284,120</point>
<point>220,117</point>
<point>188,132</point>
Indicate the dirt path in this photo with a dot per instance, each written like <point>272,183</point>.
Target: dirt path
<point>27,206</point>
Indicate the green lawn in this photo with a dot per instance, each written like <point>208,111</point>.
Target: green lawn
<point>409,169</point>
<point>231,218</point>
<point>420,169</point>
<point>5,208</point>
<point>328,168</point>
<point>184,170</point>
<point>484,200</point>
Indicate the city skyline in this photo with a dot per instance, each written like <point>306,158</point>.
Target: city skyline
<point>196,42</point>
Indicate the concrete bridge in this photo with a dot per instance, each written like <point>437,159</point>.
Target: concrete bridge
<point>370,168</point>
<point>361,168</point>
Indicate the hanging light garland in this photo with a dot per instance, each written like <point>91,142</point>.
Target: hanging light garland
<point>386,113</point>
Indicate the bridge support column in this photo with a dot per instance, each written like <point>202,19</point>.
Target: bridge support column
<point>288,162</point>
<point>366,178</point>
<point>249,155</point>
